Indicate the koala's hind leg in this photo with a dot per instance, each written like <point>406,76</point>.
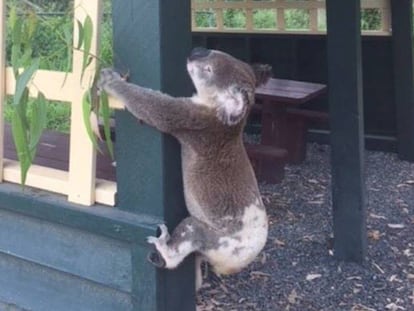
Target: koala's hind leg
<point>171,250</point>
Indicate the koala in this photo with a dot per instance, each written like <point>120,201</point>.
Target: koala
<point>228,225</point>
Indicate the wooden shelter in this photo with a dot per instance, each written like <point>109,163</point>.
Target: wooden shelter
<point>62,255</point>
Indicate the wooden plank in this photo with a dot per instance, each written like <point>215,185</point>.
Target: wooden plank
<point>51,83</point>
<point>219,19</point>
<point>52,161</point>
<point>86,255</point>
<point>289,92</point>
<point>105,192</point>
<point>259,5</point>
<point>386,20</point>
<point>249,16</point>
<point>2,79</point>
<point>346,115</point>
<point>313,19</point>
<point>38,177</point>
<point>55,85</point>
<point>26,284</point>
<point>378,33</point>
<point>100,220</point>
<point>285,4</point>
<point>403,54</point>
<point>280,6</point>
<point>280,12</point>
<point>82,165</point>
<point>374,4</point>
<point>146,159</point>
<point>53,152</point>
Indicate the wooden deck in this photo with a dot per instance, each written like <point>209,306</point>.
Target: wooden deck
<point>53,152</point>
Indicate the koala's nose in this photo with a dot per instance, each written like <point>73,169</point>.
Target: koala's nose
<point>198,52</point>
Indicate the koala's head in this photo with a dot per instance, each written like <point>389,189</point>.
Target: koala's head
<point>225,82</point>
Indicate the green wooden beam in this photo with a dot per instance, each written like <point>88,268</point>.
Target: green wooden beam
<point>152,40</point>
<point>402,41</point>
<point>346,113</point>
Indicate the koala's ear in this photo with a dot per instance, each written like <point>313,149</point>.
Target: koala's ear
<point>232,106</point>
<point>263,73</point>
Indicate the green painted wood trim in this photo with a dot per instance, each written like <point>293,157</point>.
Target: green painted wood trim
<point>152,40</point>
<point>101,220</point>
<point>403,56</point>
<point>346,113</point>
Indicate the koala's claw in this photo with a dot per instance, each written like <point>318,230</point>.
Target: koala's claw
<point>106,77</point>
<point>155,258</point>
<point>164,232</point>
<point>162,239</point>
<point>152,240</point>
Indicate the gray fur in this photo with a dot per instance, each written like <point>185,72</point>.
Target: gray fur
<point>219,182</point>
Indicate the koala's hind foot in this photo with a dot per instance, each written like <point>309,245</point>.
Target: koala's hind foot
<point>170,251</point>
<point>155,257</point>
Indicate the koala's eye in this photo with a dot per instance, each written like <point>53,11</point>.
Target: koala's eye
<point>208,69</point>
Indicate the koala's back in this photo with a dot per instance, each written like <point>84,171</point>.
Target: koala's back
<point>219,182</point>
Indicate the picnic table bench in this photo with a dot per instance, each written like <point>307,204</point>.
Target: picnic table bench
<point>284,125</point>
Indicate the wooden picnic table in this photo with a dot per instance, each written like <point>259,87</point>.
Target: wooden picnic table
<point>283,124</point>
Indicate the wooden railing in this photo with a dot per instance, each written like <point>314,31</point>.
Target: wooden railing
<point>312,10</point>
<point>79,182</point>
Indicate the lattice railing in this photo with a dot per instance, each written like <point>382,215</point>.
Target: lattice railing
<point>79,182</point>
<point>247,16</point>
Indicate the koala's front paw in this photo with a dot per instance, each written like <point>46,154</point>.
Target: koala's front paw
<point>107,78</point>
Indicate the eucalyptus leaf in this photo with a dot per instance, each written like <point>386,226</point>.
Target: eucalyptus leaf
<point>68,40</point>
<point>32,24</point>
<point>86,109</point>
<point>12,17</point>
<point>20,141</point>
<point>80,34</point>
<point>23,80</point>
<point>106,115</point>
<point>38,121</point>
<point>16,45</point>
<point>87,42</point>
<point>21,108</point>
<point>26,57</point>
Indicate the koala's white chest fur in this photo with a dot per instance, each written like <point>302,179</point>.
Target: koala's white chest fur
<point>238,250</point>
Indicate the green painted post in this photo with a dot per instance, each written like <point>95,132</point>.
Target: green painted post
<point>402,41</point>
<point>345,100</point>
<point>152,40</point>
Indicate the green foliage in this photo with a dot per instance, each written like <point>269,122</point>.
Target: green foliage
<point>27,125</point>
<point>46,42</point>
<point>85,35</point>
<point>106,115</point>
<point>297,19</point>
<point>234,18</point>
<point>371,19</point>
<point>264,19</point>
<point>87,110</point>
<point>206,19</point>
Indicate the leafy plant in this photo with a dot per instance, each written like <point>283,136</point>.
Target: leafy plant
<point>29,117</point>
<point>27,124</point>
<point>92,103</point>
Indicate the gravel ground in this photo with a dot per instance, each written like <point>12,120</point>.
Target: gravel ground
<point>296,270</point>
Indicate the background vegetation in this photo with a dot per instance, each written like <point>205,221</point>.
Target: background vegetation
<point>56,17</point>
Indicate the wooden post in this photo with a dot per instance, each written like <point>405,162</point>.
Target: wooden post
<point>2,80</point>
<point>345,98</point>
<point>402,44</point>
<point>82,164</point>
<point>152,40</point>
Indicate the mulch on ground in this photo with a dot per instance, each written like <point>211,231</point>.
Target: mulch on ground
<point>297,269</point>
